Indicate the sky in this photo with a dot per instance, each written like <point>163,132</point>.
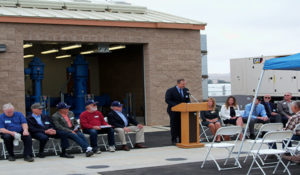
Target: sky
<point>239,28</point>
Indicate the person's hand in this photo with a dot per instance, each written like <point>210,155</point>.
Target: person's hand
<point>274,113</point>
<point>233,118</point>
<point>209,120</point>
<point>74,132</point>
<point>13,134</point>
<point>26,133</point>
<point>126,129</point>
<point>53,131</point>
<point>259,118</point>
<point>214,120</point>
<point>140,126</point>
<point>97,127</point>
<point>265,118</point>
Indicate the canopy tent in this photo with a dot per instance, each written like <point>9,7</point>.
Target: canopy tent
<point>291,62</point>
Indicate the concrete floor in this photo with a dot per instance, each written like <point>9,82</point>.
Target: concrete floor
<point>120,160</point>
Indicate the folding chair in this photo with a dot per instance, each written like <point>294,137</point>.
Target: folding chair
<point>128,140</point>
<point>230,130</point>
<point>3,152</point>
<point>203,130</point>
<point>294,149</point>
<point>273,136</point>
<point>264,128</point>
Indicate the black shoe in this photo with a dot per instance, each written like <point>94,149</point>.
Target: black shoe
<point>125,148</point>
<point>252,136</point>
<point>66,155</point>
<point>89,153</point>
<point>174,143</point>
<point>11,158</point>
<point>41,155</point>
<point>28,159</point>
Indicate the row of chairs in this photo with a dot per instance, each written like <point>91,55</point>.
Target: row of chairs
<point>53,145</point>
<point>273,134</point>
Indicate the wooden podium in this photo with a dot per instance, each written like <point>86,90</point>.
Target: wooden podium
<point>190,123</point>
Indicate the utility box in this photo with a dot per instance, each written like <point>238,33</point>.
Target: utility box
<point>245,73</point>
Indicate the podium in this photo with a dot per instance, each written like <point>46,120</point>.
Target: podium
<point>190,123</point>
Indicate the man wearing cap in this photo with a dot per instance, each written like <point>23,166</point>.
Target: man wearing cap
<point>92,122</point>
<point>13,127</point>
<point>40,127</point>
<point>120,122</point>
<point>66,125</point>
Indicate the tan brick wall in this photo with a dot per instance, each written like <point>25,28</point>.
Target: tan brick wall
<point>168,55</point>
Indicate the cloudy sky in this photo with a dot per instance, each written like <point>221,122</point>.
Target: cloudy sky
<point>239,28</point>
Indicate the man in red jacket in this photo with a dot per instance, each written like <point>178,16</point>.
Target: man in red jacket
<point>92,122</point>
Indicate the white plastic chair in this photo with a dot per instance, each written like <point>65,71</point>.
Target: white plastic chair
<point>203,130</point>
<point>3,152</point>
<point>264,128</point>
<point>294,149</point>
<point>273,136</point>
<point>230,130</point>
<point>128,139</point>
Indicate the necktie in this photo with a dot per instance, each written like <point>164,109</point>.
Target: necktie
<point>181,92</point>
<point>255,112</point>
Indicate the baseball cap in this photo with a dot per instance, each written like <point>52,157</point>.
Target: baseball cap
<point>90,102</point>
<point>116,104</point>
<point>37,106</point>
<point>62,105</point>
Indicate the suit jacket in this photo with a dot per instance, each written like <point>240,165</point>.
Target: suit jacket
<point>269,109</point>
<point>34,127</point>
<point>61,124</point>
<point>117,122</point>
<point>173,97</point>
<point>283,108</point>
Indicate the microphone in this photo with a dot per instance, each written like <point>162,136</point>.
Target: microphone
<point>193,96</point>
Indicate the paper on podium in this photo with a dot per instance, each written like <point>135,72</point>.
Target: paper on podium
<point>105,126</point>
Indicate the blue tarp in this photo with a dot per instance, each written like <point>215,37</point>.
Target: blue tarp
<point>291,62</point>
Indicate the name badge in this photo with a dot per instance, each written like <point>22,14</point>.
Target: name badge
<point>7,121</point>
<point>71,118</point>
<point>96,116</point>
<point>47,123</point>
<point>186,96</point>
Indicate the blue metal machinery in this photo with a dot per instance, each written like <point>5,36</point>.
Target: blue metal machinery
<point>36,72</point>
<point>79,71</point>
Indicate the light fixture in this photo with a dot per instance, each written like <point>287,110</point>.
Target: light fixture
<point>28,56</point>
<point>27,45</point>
<point>49,51</point>
<point>71,47</point>
<point>117,47</point>
<point>63,56</point>
<point>87,52</point>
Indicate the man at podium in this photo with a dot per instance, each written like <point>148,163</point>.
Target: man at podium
<point>174,96</point>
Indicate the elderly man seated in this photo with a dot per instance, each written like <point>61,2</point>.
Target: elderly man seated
<point>41,128</point>
<point>92,122</point>
<point>13,127</point>
<point>120,122</point>
<point>259,115</point>
<point>66,125</point>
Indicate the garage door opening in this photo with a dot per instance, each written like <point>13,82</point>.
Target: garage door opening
<point>76,72</point>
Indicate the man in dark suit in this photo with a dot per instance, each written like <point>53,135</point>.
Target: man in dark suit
<point>40,127</point>
<point>120,121</point>
<point>174,96</point>
<point>271,110</point>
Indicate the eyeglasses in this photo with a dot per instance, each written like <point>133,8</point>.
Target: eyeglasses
<point>267,97</point>
<point>287,95</point>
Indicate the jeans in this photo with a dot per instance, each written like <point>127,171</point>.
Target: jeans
<point>42,138</point>
<point>94,136</point>
<point>78,138</point>
<point>27,141</point>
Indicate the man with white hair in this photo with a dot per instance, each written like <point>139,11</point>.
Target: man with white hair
<point>13,126</point>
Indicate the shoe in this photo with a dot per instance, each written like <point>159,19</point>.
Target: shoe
<point>125,148</point>
<point>11,158</point>
<point>139,145</point>
<point>89,153</point>
<point>41,155</point>
<point>28,159</point>
<point>66,155</point>
<point>111,149</point>
<point>174,143</point>
<point>96,151</point>
<point>252,137</point>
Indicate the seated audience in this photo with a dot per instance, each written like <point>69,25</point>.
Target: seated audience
<point>13,128</point>
<point>259,115</point>
<point>92,121</point>
<point>66,125</point>
<point>41,128</point>
<point>284,108</point>
<point>230,113</point>
<point>120,122</point>
<point>211,118</point>
<point>271,110</point>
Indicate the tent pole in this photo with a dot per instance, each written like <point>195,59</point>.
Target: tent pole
<point>251,111</point>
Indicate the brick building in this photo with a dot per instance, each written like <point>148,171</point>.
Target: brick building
<point>158,49</point>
